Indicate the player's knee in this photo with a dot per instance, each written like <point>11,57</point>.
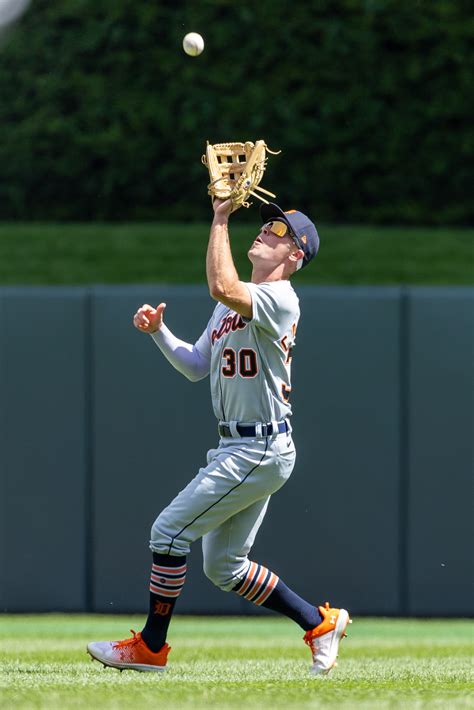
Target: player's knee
<point>210,570</point>
<point>164,537</point>
<point>158,537</point>
<point>220,572</point>
<point>215,572</point>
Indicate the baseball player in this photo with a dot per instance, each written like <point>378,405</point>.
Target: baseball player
<point>246,349</point>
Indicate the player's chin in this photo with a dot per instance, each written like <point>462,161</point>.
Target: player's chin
<point>253,254</point>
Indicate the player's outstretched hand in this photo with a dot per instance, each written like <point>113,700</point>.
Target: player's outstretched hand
<point>149,319</point>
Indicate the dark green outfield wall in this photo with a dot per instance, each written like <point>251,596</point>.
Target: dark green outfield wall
<point>98,433</point>
<point>102,115</point>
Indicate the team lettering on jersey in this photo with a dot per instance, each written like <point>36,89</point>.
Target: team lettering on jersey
<point>288,349</point>
<point>228,323</point>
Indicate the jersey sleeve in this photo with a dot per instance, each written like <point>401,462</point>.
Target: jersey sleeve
<point>203,343</point>
<point>186,358</point>
<point>274,307</point>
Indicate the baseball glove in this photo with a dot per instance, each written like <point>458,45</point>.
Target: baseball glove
<point>236,170</point>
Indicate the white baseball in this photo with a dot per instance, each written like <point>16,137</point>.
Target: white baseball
<point>193,44</point>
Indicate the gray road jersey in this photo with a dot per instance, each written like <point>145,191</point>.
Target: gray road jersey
<point>251,359</point>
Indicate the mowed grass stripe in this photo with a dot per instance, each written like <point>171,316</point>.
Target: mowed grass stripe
<point>235,662</point>
<point>76,254</point>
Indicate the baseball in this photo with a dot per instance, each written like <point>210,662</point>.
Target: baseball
<point>193,44</point>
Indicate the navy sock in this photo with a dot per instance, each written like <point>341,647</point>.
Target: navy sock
<point>286,602</point>
<point>168,574</point>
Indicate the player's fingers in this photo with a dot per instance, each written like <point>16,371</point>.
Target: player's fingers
<point>146,310</point>
<point>140,321</point>
<point>146,313</point>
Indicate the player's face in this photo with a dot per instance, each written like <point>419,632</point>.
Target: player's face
<point>273,244</point>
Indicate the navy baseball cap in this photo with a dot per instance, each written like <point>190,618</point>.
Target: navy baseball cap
<point>302,229</point>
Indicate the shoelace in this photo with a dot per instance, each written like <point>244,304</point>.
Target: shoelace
<point>136,638</point>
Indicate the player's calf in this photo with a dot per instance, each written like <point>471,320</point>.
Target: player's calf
<point>262,587</point>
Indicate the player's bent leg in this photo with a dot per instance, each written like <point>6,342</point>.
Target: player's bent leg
<point>238,476</point>
<point>225,550</point>
<point>226,564</point>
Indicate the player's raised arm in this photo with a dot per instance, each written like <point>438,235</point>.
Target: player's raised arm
<point>222,277</point>
<point>193,361</point>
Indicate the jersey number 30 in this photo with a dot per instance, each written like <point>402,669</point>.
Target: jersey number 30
<point>244,362</point>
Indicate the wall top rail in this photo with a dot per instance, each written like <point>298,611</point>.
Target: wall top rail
<point>428,291</point>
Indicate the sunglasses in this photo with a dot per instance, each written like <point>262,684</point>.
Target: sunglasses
<point>280,229</point>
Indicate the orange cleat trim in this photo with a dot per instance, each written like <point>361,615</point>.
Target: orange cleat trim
<point>330,617</point>
<point>134,650</point>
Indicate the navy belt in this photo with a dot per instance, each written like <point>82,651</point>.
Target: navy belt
<point>250,430</point>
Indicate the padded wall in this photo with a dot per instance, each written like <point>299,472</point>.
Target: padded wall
<point>43,441</point>
<point>98,433</point>
<point>441,484</point>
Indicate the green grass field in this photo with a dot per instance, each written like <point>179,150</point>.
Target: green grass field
<point>236,663</point>
<point>175,253</point>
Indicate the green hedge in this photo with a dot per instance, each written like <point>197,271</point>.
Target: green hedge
<point>103,116</point>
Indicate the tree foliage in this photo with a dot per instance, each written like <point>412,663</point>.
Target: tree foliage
<point>103,116</point>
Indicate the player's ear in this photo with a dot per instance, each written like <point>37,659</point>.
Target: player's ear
<point>296,255</point>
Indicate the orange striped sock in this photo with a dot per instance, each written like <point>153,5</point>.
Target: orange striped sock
<point>257,585</point>
<point>168,575</point>
<point>264,588</point>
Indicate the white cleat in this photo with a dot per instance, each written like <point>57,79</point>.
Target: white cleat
<point>324,639</point>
